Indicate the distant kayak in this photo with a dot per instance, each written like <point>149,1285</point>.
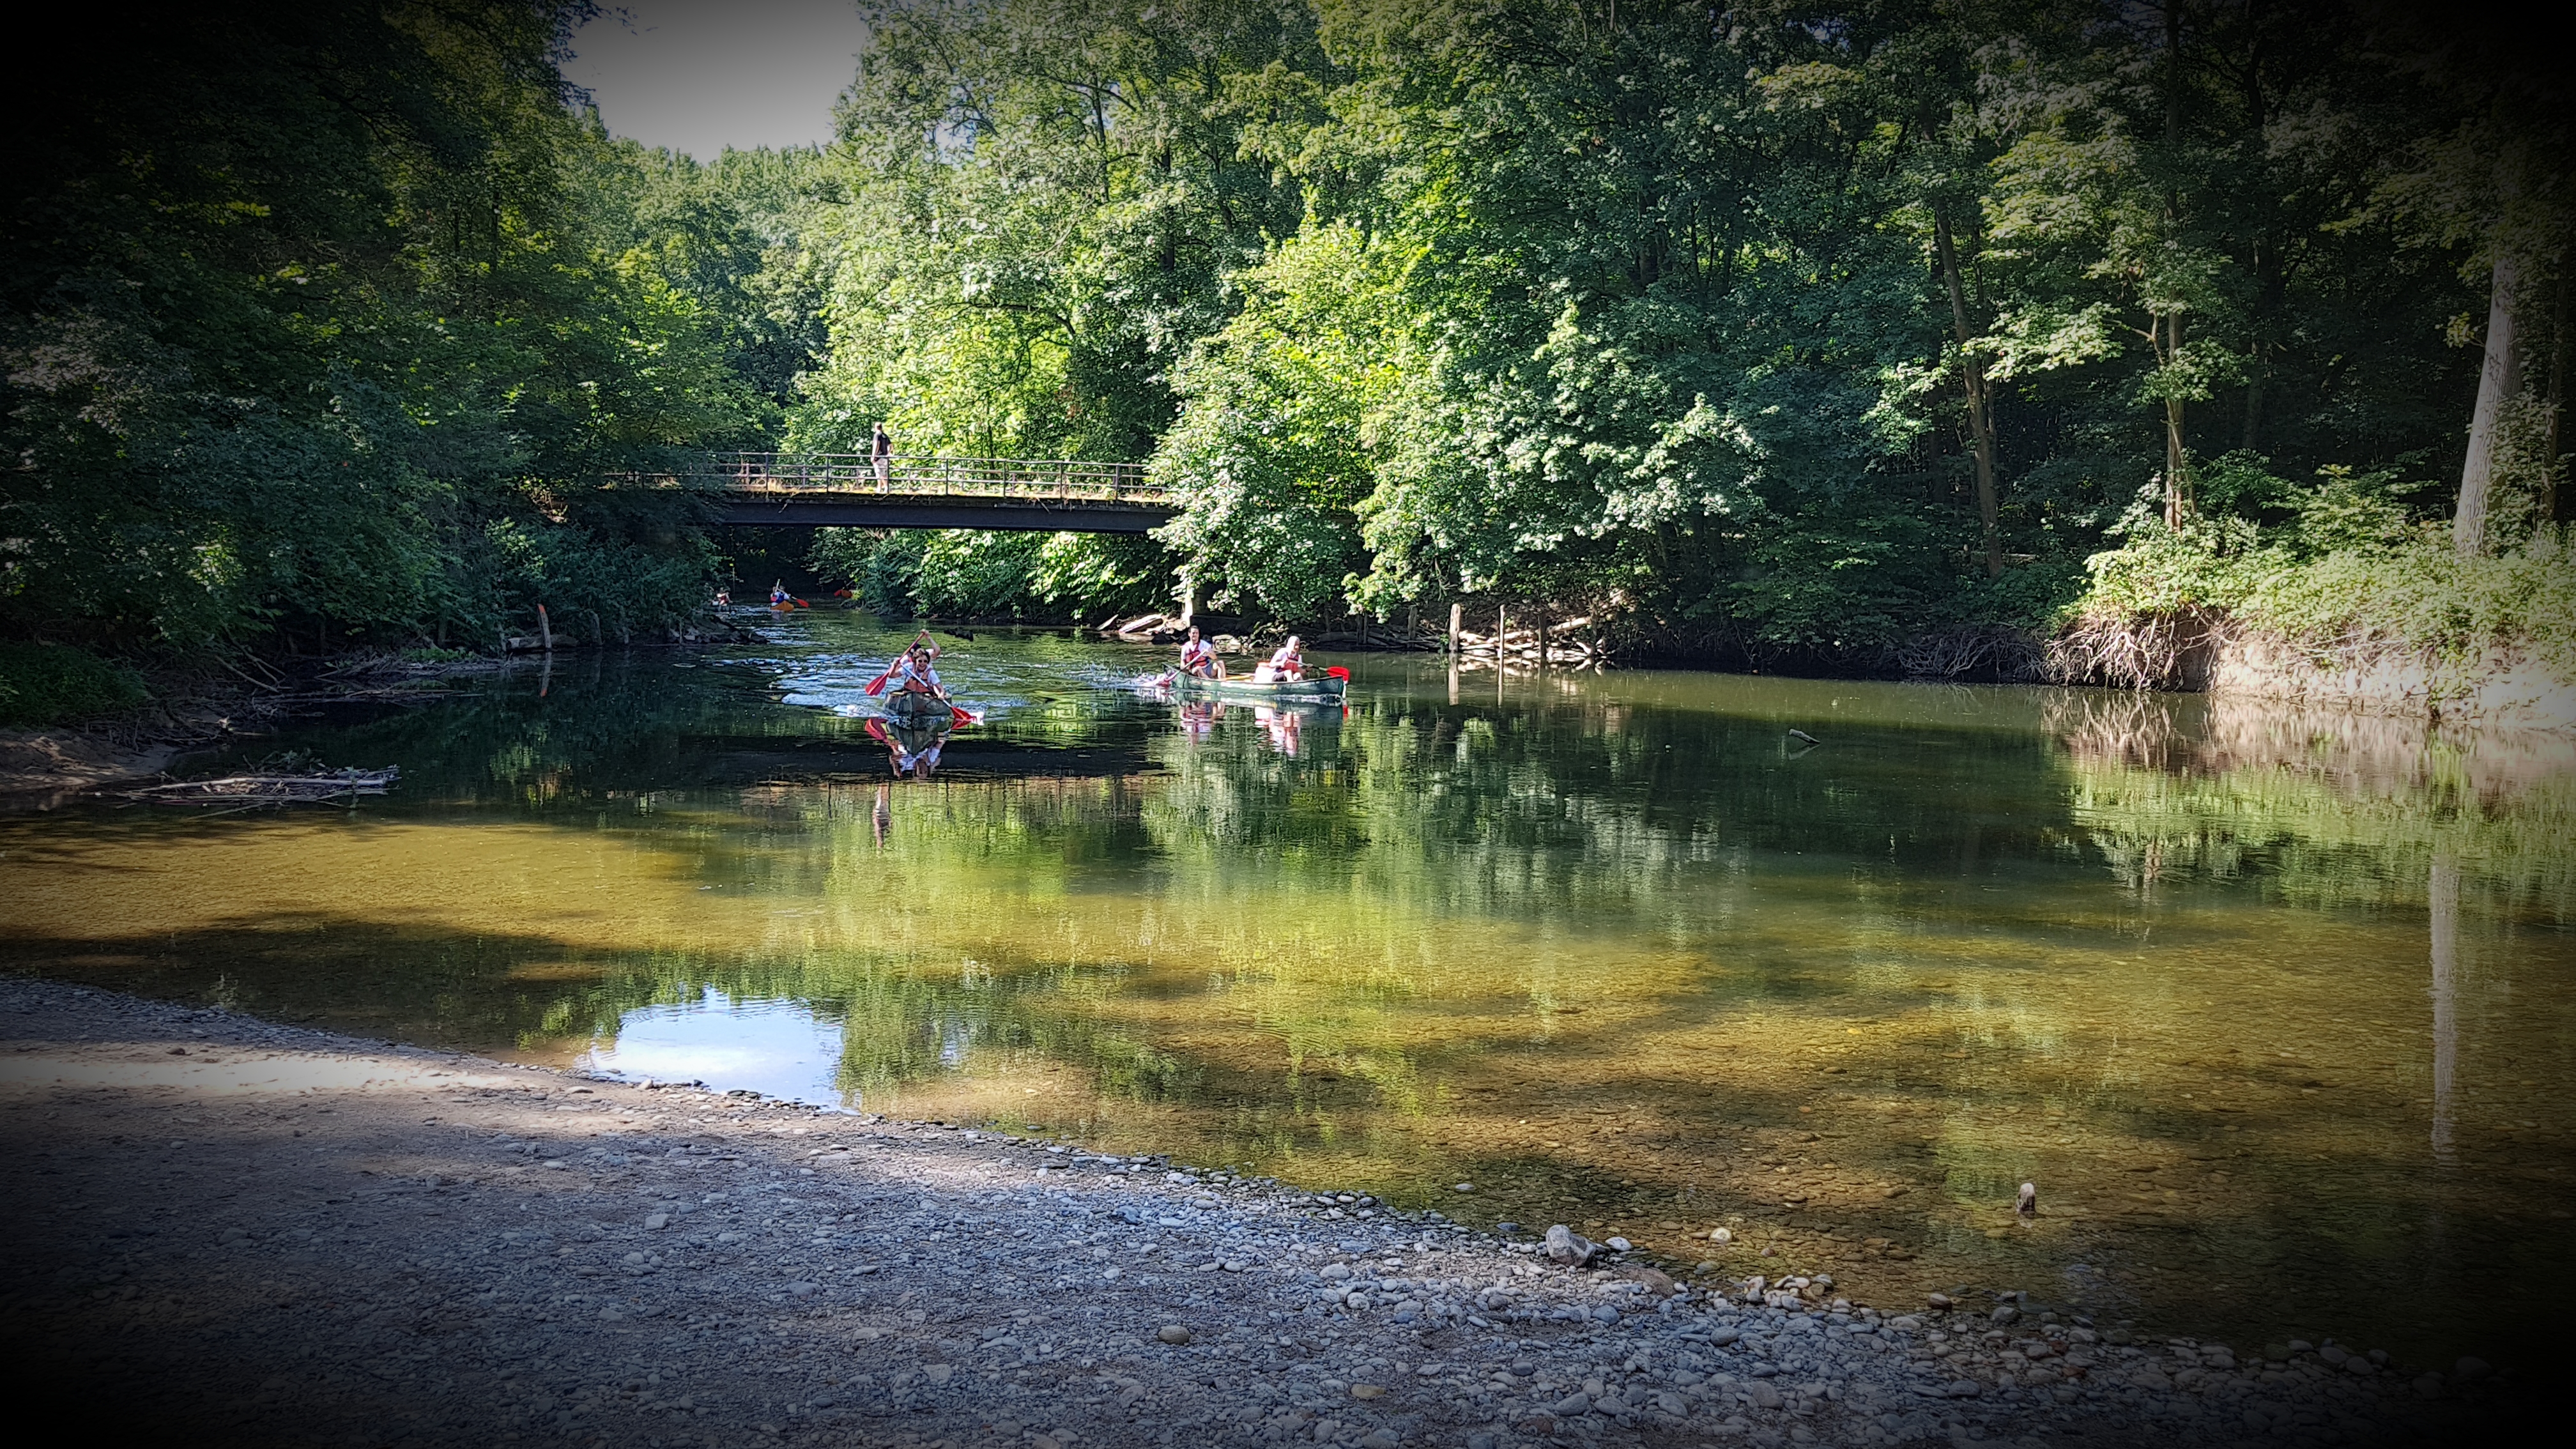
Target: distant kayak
<point>1318,689</point>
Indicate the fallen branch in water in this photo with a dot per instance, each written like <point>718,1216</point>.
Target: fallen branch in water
<point>270,789</point>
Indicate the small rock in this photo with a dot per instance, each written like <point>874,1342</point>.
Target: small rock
<point>1379,1439</point>
<point>1507,1229</point>
<point>1572,1406</point>
<point>2028,1203</point>
<point>1172,1333</point>
<point>1764,1395</point>
<point>1619,1245</point>
<point>657,1221</point>
<point>1368,1391</point>
<point>1963,1389</point>
<point>1720,1235</point>
<point>1463,1187</point>
<point>2006,1314</point>
<point>1333,1272</point>
<point>2429,1385</point>
<point>2470,1370</point>
<point>938,1373</point>
<point>1564,1245</point>
<point>1938,1302</point>
<point>1605,1314</point>
<point>803,1290</point>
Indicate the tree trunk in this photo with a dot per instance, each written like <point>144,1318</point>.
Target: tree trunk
<point>2498,381</point>
<point>2177,463</point>
<point>1980,421</point>
<point>2552,485</point>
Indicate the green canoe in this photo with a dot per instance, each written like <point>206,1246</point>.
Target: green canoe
<point>1314,689</point>
<point>915,708</point>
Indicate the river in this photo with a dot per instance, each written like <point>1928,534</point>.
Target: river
<point>2273,1009</point>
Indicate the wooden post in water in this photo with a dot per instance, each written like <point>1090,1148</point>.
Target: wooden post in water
<point>1542,638</point>
<point>1454,611</point>
<point>1502,626</point>
<point>545,631</point>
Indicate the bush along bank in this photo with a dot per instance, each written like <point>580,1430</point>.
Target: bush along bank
<point>2342,601</point>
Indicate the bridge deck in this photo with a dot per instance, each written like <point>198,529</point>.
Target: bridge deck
<point>919,491</point>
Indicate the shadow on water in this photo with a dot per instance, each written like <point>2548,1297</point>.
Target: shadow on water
<point>2271,1006</point>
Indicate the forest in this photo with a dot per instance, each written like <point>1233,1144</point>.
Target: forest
<point>1935,336</point>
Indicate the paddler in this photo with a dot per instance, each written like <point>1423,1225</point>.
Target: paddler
<point>1198,657</point>
<point>916,672</point>
<point>1286,665</point>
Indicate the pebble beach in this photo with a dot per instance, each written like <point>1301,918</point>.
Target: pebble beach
<point>258,1233</point>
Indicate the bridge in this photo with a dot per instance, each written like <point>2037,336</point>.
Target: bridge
<point>847,490</point>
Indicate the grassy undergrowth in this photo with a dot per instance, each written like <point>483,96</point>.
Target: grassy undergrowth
<point>49,684</point>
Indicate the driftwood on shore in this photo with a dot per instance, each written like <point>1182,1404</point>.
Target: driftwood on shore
<point>270,789</point>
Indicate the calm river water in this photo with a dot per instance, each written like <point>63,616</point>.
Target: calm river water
<point>2274,1009</point>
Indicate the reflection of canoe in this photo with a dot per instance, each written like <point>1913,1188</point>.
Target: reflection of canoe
<point>1315,689</point>
<point>907,708</point>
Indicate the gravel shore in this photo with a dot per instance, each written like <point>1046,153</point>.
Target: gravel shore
<point>260,1234</point>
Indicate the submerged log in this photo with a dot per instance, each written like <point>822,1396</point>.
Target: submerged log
<point>270,789</point>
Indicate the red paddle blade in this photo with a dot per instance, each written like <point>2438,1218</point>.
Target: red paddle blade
<point>1338,672</point>
<point>960,715</point>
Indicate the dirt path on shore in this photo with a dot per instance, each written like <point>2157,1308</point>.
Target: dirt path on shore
<point>263,1235</point>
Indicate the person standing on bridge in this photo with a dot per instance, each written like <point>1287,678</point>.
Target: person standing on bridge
<point>881,453</point>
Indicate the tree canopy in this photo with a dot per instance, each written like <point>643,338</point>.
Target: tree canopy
<point>1785,330</point>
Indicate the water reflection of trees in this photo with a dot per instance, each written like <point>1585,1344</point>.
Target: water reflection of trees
<point>2341,809</point>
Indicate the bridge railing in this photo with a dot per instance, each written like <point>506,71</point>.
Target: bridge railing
<point>911,475</point>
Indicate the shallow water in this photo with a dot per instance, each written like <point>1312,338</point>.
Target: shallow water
<point>2273,1009</point>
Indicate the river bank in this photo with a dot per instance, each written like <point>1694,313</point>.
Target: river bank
<point>274,1235</point>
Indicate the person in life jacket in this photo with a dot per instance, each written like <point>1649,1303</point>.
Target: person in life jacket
<point>1198,658</point>
<point>915,672</point>
<point>779,598</point>
<point>1288,664</point>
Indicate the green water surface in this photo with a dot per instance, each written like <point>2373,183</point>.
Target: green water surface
<point>2273,1008</point>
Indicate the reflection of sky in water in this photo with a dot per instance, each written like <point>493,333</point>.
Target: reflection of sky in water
<point>772,1047</point>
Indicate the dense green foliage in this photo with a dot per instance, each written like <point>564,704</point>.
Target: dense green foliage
<point>43,684</point>
<point>1784,330</point>
<point>1674,311</point>
<point>329,322</point>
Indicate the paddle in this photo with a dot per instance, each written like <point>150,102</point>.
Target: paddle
<point>1338,672</point>
<point>960,715</point>
<point>877,685</point>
